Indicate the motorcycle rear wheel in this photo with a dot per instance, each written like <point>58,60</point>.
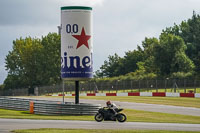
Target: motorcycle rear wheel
<point>98,117</point>
<point>121,117</point>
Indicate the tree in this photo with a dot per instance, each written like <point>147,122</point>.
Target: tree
<point>33,62</point>
<point>129,62</point>
<point>50,61</point>
<point>116,66</point>
<point>190,32</point>
<point>170,55</point>
<point>148,49</point>
<point>22,63</point>
<point>110,68</point>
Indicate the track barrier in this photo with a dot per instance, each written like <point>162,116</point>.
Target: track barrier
<point>147,94</point>
<point>45,107</point>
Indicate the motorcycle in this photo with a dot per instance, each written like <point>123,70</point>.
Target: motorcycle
<point>108,115</point>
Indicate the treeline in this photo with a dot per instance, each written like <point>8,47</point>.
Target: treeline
<point>175,54</point>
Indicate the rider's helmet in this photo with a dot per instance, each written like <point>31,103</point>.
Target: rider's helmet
<point>108,103</point>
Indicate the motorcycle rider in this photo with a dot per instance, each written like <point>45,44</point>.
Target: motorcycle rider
<point>112,107</point>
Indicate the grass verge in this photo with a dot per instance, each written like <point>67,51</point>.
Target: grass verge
<point>95,131</point>
<point>132,116</point>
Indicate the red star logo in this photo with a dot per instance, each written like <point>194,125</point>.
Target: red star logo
<point>82,39</point>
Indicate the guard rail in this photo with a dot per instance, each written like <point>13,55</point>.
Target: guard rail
<point>45,107</point>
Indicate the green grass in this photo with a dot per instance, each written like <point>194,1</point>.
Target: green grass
<point>132,116</point>
<point>12,114</point>
<point>146,116</point>
<point>95,131</point>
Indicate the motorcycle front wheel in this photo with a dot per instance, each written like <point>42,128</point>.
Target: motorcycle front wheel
<point>121,117</point>
<point>98,117</point>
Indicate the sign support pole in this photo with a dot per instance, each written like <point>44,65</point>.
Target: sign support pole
<point>63,92</point>
<point>76,92</point>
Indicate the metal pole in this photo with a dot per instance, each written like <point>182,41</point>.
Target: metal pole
<point>116,85</point>
<point>184,86</point>
<point>59,30</point>
<point>101,87</point>
<point>131,85</point>
<point>63,91</point>
<point>139,85</point>
<point>156,85</point>
<point>124,83</point>
<point>195,88</point>
<point>76,92</point>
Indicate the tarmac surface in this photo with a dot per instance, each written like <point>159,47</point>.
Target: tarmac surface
<point>7,125</point>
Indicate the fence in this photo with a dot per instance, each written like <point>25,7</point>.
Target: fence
<point>14,104</point>
<point>49,107</point>
<point>14,92</point>
<point>166,85</point>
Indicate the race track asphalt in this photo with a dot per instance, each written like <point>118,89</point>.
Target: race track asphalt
<point>7,125</point>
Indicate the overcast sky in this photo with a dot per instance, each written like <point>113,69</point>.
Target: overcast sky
<point>119,25</point>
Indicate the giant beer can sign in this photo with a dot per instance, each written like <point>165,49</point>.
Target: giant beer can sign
<point>76,43</point>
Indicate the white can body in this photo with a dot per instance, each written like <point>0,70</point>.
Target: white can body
<point>76,43</point>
